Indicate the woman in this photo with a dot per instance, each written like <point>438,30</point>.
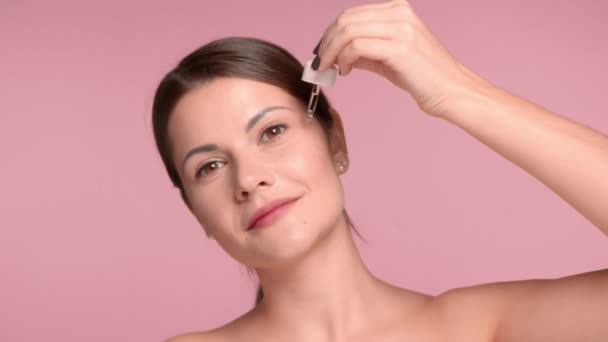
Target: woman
<point>230,124</point>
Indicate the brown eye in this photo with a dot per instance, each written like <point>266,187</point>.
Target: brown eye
<point>274,131</point>
<point>207,168</point>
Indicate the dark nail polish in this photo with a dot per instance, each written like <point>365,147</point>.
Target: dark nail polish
<point>315,63</point>
<point>316,50</point>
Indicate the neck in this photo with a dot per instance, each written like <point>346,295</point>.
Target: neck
<point>328,293</point>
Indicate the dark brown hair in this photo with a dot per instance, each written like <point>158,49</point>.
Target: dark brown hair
<point>240,57</point>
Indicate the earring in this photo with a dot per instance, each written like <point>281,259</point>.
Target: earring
<point>342,165</point>
<point>210,237</point>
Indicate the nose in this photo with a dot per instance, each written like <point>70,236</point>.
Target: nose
<point>251,172</point>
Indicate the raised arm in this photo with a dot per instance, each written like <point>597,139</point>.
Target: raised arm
<point>569,158</point>
<point>391,40</point>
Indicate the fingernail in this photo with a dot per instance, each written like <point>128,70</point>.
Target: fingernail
<point>315,63</point>
<point>316,50</point>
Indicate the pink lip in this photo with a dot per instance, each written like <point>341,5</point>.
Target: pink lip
<point>270,213</point>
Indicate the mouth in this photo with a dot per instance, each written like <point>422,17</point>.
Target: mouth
<point>271,212</point>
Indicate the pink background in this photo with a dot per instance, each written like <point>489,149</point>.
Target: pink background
<point>96,245</point>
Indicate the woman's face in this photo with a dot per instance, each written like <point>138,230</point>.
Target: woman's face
<point>260,147</point>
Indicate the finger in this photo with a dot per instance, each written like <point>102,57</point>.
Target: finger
<point>365,53</point>
<point>391,11</point>
<point>379,5</point>
<point>378,30</point>
<point>370,6</point>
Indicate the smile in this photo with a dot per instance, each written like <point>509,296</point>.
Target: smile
<point>272,216</point>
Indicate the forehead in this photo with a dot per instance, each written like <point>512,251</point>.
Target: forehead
<point>220,109</point>
<point>229,98</point>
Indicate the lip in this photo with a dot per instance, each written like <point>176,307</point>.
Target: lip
<point>269,212</point>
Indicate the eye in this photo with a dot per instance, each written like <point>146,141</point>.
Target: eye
<point>274,131</point>
<point>207,168</point>
<point>210,167</point>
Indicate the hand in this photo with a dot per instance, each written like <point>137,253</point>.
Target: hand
<point>390,40</point>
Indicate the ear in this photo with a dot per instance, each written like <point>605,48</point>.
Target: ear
<point>337,140</point>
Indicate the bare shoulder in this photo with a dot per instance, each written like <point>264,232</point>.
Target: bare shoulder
<point>189,337</point>
<point>202,336</point>
<point>231,331</point>
<point>518,310</point>
<point>486,295</point>
<point>220,334</point>
<point>478,309</point>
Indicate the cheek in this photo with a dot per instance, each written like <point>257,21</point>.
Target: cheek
<point>313,165</point>
<point>307,154</point>
<point>209,206</point>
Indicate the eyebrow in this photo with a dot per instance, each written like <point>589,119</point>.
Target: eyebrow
<point>212,147</point>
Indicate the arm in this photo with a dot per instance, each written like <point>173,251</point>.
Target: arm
<point>391,40</point>
<point>569,158</point>
<point>572,160</point>
<point>573,308</point>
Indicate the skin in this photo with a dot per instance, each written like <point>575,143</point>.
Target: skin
<point>316,286</point>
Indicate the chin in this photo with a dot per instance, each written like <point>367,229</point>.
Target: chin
<point>283,244</point>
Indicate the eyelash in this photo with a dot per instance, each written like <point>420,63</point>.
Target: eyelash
<point>284,126</point>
